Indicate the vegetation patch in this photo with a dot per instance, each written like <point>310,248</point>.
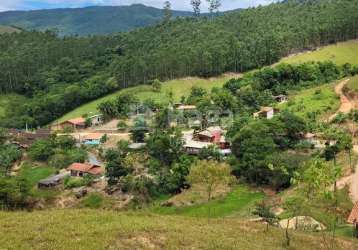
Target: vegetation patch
<point>178,88</point>
<point>239,201</point>
<point>313,102</point>
<point>340,53</point>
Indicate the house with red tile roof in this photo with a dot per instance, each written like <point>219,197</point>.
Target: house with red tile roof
<point>82,169</point>
<point>76,123</point>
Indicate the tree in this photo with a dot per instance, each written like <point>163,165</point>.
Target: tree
<point>211,175</point>
<point>41,150</point>
<point>157,85</point>
<point>265,212</point>
<point>196,7</point>
<point>139,129</point>
<point>214,5</point>
<point>115,168</point>
<point>167,12</point>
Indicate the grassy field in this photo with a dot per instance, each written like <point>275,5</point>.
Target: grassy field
<point>353,84</point>
<point>7,29</point>
<point>93,229</point>
<point>238,202</point>
<point>179,88</point>
<point>319,100</point>
<point>340,53</point>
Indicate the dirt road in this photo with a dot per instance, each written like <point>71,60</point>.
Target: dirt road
<point>354,180</point>
<point>346,104</point>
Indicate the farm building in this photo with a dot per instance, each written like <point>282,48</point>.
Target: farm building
<point>82,169</point>
<point>77,123</point>
<point>52,181</point>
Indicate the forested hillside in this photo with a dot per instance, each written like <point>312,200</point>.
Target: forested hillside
<point>96,20</point>
<point>62,73</point>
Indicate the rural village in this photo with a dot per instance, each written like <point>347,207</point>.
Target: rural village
<point>133,127</point>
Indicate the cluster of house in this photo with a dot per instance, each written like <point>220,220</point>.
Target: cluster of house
<point>196,141</point>
<point>74,170</point>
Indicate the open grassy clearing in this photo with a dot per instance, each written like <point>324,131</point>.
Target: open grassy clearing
<point>179,88</point>
<point>319,100</point>
<point>238,202</point>
<point>89,229</point>
<point>340,53</point>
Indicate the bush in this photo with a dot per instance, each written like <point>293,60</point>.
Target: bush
<point>71,182</point>
<point>93,201</point>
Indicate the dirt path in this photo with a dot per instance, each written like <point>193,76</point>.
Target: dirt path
<point>346,104</point>
<point>354,180</point>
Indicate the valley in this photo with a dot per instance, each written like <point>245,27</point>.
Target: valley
<point>189,133</point>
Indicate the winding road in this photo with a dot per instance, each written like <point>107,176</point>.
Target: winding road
<point>346,106</point>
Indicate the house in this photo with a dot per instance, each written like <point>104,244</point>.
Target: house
<point>280,98</point>
<point>266,112</point>
<point>92,139</point>
<point>353,219</point>
<point>195,142</point>
<point>52,181</point>
<point>76,123</point>
<point>83,169</point>
<point>96,120</point>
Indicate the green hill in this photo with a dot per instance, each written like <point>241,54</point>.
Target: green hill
<point>93,229</point>
<point>60,74</point>
<point>340,53</point>
<point>8,29</point>
<point>179,88</point>
<point>87,21</point>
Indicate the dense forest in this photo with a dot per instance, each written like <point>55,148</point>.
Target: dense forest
<point>59,74</point>
<point>95,20</point>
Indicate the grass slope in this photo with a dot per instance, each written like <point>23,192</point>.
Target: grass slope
<point>179,88</point>
<point>340,53</point>
<point>319,100</point>
<point>93,229</point>
<point>353,84</point>
<point>240,201</point>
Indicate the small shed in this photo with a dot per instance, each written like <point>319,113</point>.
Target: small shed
<point>53,180</point>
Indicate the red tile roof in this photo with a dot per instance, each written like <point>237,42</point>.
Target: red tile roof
<point>86,168</point>
<point>77,121</point>
<point>353,217</point>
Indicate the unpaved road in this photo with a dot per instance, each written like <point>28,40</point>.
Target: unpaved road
<point>346,104</point>
<point>354,181</point>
